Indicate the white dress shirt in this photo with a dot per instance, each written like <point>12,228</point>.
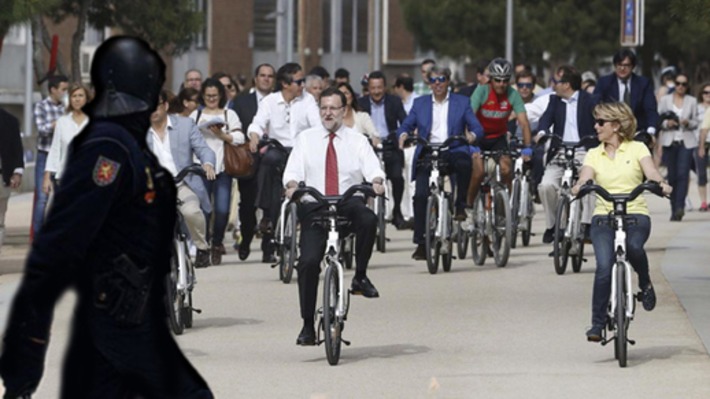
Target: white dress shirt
<point>162,151</point>
<point>439,120</point>
<point>64,132</point>
<point>622,89</point>
<point>215,143</point>
<point>357,161</point>
<point>571,132</point>
<point>284,121</point>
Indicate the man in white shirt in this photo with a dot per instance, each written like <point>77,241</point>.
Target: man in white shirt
<point>175,140</point>
<point>282,116</point>
<point>354,161</point>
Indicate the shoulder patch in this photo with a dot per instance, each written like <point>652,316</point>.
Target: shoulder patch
<point>105,171</point>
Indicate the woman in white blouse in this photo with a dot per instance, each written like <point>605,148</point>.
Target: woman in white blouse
<point>356,119</point>
<point>220,127</point>
<point>67,127</point>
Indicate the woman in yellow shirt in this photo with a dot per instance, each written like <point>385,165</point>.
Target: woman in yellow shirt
<point>619,165</point>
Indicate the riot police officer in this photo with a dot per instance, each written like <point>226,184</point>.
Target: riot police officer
<point>108,235</point>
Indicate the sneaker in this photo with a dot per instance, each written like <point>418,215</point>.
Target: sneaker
<point>460,215</point>
<point>703,207</point>
<point>549,236</point>
<point>363,286</point>
<point>648,298</point>
<point>265,226</point>
<point>202,259</point>
<point>594,334</point>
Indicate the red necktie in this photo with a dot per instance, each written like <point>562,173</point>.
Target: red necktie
<point>331,168</point>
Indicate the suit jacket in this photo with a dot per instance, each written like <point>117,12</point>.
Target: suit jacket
<point>689,112</point>
<point>556,114</point>
<point>460,116</point>
<point>186,141</point>
<point>394,110</point>
<point>245,106</point>
<point>10,146</point>
<point>643,98</point>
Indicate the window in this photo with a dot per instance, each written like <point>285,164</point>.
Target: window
<point>354,26</point>
<point>200,41</point>
<point>265,17</point>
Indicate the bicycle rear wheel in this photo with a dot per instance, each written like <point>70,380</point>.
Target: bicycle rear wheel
<point>331,326</point>
<point>502,227</point>
<point>289,245</point>
<point>515,211</point>
<point>346,256</point>
<point>432,245</point>
<point>479,247</point>
<point>462,239</point>
<point>174,300</point>
<point>561,244</point>
<point>381,224</point>
<point>622,322</point>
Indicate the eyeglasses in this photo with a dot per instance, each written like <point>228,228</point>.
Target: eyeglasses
<point>525,85</point>
<point>498,80</point>
<point>211,96</point>
<point>601,122</point>
<point>329,109</point>
<point>706,93</point>
<point>299,82</point>
<point>681,84</point>
<point>440,79</point>
<point>627,66</point>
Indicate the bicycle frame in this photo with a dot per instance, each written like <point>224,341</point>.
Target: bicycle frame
<point>620,249</point>
<point>331,260</point>
<point>436,189</point>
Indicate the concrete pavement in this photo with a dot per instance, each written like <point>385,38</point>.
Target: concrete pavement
<point>481,332</point>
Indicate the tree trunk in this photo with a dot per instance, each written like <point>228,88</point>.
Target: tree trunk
<point>77,39</point>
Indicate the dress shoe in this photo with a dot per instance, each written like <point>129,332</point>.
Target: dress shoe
<point>265,226</point>
<point>460,215</point>
<point>216,252</point>
<point>363,286</point>
<point>549,236</point>
<point>307,337</point>
<point>269,258</point>
<point>244,252</point>
<point>648,298</point>
<point>677,216</point>
<point>594,334</point>
<point>419,253</point>
<point>202,259</point>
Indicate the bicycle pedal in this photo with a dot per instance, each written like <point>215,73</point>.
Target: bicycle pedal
<point>584,259</point>
<point>274,265</point>
<point>631,341</point>
<point>345,342</point>
<point>198,311</point>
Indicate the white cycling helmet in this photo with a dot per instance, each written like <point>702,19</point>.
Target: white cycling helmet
<point>500,68</point>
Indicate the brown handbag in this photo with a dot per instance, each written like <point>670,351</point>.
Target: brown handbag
<point>238,159</point>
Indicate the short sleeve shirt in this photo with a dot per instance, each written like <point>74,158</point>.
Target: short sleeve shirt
<point>480,95</point>
<point>619,175</point>
<point>706,121</point>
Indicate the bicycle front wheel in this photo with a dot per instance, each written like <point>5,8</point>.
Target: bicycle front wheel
<point>432,245</point>
<point>331,325</point>
<point>462,238</point>
<point>527,230</point>
<point>174,300</point>
<point>502,228</point>
<point>622,322</point>
<point>479,247</point>
<point>289,245</point>
<point>515,211</point>
<point>447,243</point>
<point>561,244</point>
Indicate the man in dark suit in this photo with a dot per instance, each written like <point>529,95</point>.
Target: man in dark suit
<point>437,117</point>
<point>636,91</point>
<point>11,163</point>
<point>568,99</point>
<point>387,114</point>
<point>246,106</point>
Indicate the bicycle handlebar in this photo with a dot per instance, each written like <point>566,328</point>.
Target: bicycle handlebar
<point>586,141</point>
<point>193,169</point>
<point>651,186</point>
<point>302,190</point>
<point>439,146</point>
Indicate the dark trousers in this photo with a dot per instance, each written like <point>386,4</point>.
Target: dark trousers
<point>109,362</point>
<point>270,189</point>
<point>459,164</point>
<point>312,246</point>
<point>602,235</point>
<point>394,162</point>
<point>247,208</point>
<point>678,160</point>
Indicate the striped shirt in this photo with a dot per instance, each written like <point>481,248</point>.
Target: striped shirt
<point>46,112</point>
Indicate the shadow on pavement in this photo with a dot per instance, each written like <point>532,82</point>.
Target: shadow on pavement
<point>356,354</point>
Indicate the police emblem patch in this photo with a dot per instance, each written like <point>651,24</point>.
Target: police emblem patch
<point>105,171</point>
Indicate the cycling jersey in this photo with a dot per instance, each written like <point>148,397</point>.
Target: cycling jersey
<point>493,111</point>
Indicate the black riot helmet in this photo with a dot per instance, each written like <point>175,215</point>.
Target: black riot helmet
<point>127,75</point>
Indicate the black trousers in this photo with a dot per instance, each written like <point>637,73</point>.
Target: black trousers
<point>394,163</point>
<point>312,246</point>
<point>247,208</point>
<point>270,189</point>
